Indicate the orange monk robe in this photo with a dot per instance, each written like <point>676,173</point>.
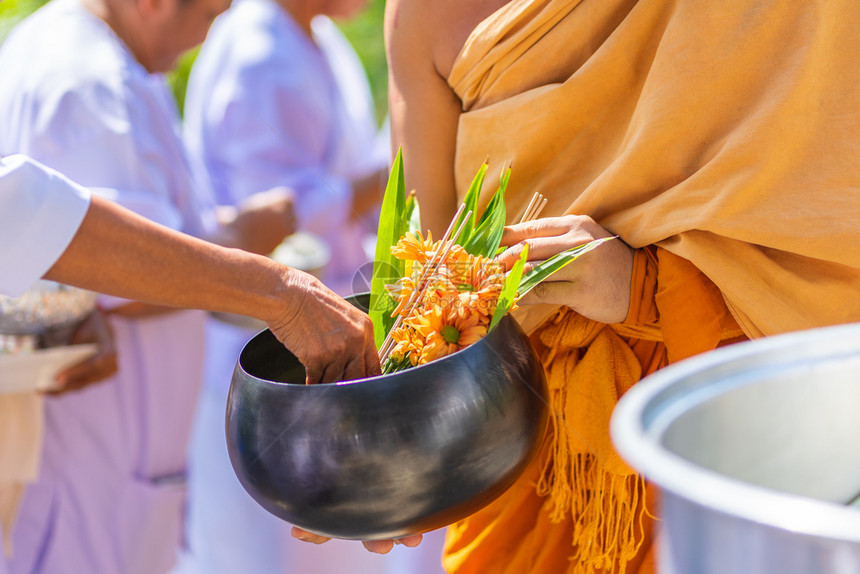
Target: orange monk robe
<point>721,140</point>
<point>541,523</point>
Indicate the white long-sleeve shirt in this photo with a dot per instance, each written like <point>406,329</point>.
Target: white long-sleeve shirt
<point>40,212</point>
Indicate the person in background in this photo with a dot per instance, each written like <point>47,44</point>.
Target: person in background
<point>278,97</point>
<point>53,228</point>
<point>715,139</point>
<point>82,91</point>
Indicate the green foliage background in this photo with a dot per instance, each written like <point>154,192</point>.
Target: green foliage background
<point>365,34</point>
<point>363,31</point>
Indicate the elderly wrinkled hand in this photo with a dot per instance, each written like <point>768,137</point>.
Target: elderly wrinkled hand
<point>596,285</point>
<point>332,339</point>
<point>376,546</point>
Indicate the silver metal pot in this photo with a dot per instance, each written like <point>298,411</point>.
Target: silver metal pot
<point>756,449</point>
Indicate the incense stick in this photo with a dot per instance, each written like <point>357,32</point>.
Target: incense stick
<point>532,212</point>
<point>535,206</point>
<point>529,207</point>
<point>426,267</point>
<point>421,288</point>
<point>539,208</point>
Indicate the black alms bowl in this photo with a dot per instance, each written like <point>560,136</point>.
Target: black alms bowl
<point>388,456</point>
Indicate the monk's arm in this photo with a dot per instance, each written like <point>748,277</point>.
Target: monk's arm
<point>424,110</point>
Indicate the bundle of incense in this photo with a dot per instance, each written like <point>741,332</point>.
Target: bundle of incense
<point>438,256</point>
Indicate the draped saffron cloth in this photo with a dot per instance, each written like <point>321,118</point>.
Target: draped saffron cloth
<point>719,139</point>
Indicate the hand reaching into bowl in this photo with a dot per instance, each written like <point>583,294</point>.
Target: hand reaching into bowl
<point>332,339</point>
<point>596,286</point>
<point>375,546</point>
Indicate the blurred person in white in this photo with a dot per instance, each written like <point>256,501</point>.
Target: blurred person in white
<point>82,92</point>
<point>39,215</point>
<point>53,228</point>
<point>278,97</point>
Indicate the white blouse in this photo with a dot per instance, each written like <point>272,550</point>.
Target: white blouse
<point>40,212</point>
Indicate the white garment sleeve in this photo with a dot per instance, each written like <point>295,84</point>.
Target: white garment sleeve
<point>40,212</point>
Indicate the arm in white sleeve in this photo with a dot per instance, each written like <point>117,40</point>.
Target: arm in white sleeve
<point>40,212</point>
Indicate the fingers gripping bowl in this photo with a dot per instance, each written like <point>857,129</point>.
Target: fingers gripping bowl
<point>389,456</point>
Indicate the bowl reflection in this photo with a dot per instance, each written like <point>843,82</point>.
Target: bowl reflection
<point>388,456</point>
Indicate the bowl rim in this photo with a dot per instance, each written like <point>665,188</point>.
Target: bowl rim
<point>643,413</point>
<point>482,342</point>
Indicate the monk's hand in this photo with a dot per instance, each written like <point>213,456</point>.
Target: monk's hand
<point>332,339</point>
<point>596,285</point>
<point>375,546</point>
<point>103,364</point>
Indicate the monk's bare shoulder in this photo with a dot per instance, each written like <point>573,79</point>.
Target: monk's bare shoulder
<point>436,28</point>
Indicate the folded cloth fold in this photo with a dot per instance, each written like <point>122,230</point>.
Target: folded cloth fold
<point>21,429</point>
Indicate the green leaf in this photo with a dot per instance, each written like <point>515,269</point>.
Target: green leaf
<point>488,234</point>
<point>388,269</point>
<point>471,205</point>
<point>412,214</point>
<point>509,290</point>
<point>555,263</point>
<point>392,366</point>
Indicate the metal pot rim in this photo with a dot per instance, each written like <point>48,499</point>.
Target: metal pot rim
<point>635,432</point>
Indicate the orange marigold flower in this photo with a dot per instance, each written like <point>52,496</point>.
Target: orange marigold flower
<point>469,285</point>
<point>439,288</point>
<point>444,331</point>
<point>474,286</point>
<point>401,292</point>
<point>413,247</point>
<point>406,340</point>
<point>440,283</point>
<point>489,275</point>
<point>458,254</point>
<point>480,303</point>
<point>475,273</point>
